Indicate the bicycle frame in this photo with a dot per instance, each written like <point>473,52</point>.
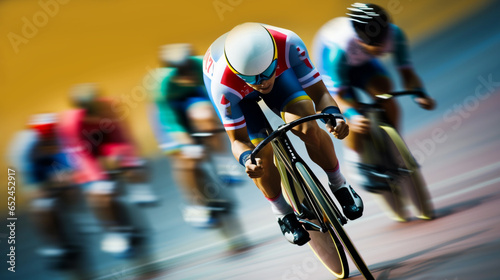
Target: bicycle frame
<point>311,201</point>
<point>396,162</point>
<point>286,154</point>
<point>379,125</point>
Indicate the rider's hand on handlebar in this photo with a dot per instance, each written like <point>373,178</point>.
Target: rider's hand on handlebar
<point>426,103</point>
<point>341,129</point>
<point>359,124</point>
<point>254,170</point>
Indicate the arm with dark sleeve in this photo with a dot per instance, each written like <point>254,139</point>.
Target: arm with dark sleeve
<point>411,80</point>
<point>403,62</point>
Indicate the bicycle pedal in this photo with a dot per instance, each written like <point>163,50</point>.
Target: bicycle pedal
<point>342,220</point>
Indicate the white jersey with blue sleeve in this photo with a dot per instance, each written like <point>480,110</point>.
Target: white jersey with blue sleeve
<point>336,50</point>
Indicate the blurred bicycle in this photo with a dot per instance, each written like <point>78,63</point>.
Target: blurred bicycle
<point>387,167</point>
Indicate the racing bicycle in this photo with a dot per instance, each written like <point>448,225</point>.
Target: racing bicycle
<point>388,163</point>
<point>217,193</point>
<point>312,204</point>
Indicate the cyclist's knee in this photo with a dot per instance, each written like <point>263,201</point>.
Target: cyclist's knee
<point>266,155</point>
<point>101,193</point>
<point>137,174</point>
<point>43,205</point>
<point>185,164</point>
<point>310,133</point>
<point>391,105</point>
<point>202,116</point>
<point>379,84</point>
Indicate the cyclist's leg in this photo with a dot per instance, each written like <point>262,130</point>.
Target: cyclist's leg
<point>317,141</point>
<point>374,79</point>
<point>49,209</point>
<point>318,144</point>
<point>102,195</point>
<point>378,83</point>
<point>293,103</point>
<point>110,199</point>
<point>290,100</point>
<point>270,182</point>
<point>202,117</point>
<point>190,178</point>
<point>133,170</point>
<point>104,199</point>
<point>186,155</point>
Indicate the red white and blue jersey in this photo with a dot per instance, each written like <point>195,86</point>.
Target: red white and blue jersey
<point>226,89</point>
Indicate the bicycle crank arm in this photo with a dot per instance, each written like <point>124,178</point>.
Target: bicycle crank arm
<point>311,226</point>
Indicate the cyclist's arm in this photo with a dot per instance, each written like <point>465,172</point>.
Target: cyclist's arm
<point>345,100</point>
<point>403,62</point>
<point>324,102</point>
<point>242,147</point>
<point>314,86</point>
<point>320,96</point>
<point>169,124</point>
<point>348,104</point>
<point>307,74</point>
<point>240,141</point>
<point>411,81</point>
<point>410,78</point>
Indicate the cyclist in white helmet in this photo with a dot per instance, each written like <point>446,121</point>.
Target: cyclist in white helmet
<point>255,61</point>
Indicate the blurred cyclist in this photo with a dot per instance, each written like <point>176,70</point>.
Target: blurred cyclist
<point>346,50</point>
<point>47,177</point>
<point>253,62</point>
<point>101,153</point>
<point>182,107</point>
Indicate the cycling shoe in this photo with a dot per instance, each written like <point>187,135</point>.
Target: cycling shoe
<point>293,230</point>
<point>351,202</point>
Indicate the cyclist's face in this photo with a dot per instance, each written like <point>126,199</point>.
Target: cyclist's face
<point>265,86</point>
<point>375,50</point>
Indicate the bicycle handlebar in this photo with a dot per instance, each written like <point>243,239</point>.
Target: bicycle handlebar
<point>379,98</point>
<point>390,95</point>
<point>207,133</point>
<point>289,126</point>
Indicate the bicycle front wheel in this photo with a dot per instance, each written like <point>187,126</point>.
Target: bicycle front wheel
<point>334,226</point>
<point>417,188</point>
<point>328,249</point>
